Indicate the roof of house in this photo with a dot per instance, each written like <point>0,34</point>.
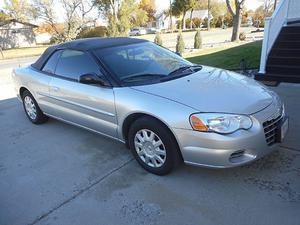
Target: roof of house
<point>5,22</point>
<point>86,45</point>
<point>198,14</point>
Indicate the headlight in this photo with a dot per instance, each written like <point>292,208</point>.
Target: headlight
<point>219,122</point>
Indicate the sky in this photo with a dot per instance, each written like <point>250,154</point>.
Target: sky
<point>250,4</point>
<point>164,4</point>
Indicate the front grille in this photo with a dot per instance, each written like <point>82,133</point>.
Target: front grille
<point>270,128</point>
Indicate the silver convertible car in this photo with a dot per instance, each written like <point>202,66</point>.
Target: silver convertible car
<point>164,108</point>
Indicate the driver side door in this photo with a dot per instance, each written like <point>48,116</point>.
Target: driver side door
<point>88,105</point>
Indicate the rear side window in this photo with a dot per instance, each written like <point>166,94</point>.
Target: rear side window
<point>72,64</point>
<point>50,65</point>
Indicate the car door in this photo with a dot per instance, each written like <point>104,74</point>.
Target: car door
<point>41,81</point>
<point>88,105</point>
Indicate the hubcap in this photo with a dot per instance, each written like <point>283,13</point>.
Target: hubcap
<point>30,107</point>
<point>150,148</point>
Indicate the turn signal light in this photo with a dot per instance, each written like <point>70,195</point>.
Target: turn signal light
<point>197,123</point>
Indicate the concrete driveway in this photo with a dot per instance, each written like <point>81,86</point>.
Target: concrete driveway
<point>59,174</point>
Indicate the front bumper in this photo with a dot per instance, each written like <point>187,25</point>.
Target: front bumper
<point>224,151</point>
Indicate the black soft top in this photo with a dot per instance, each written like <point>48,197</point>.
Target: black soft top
<point>85,45</point>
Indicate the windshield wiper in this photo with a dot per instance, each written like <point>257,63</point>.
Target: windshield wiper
<point>182,69</point>
<point>142,76</point>
<point>181,72</point>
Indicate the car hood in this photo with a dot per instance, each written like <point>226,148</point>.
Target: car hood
<point>214,90</point>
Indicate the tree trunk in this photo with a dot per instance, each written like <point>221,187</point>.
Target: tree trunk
<point>275,4</point>
<point>183,21</point>
<point>191,19</point>
<point>237,19</point>
<point>170,12</point>
<point>208,15</point>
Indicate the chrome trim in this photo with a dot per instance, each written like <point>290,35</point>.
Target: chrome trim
<point>79,105</point>
<point>84,127</point>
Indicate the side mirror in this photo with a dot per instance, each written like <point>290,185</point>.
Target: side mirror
<point>92,79</point>
<point>178,53</point>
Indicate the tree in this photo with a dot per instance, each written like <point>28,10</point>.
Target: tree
<point>198,40</point>
<point>122,15</point>
<point>74,12</point>
<point>4,16</point>
<point>149,7</point>
<point>180,7</point>
<point>238,6</point>
<point>208,14</point>
<point>265,10</point>
<point>18,9</point>
<point>157,39</point>
<point>180,46</point>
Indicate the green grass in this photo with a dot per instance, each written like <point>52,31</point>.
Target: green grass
<point>229,57</point>
<point>22,52</point>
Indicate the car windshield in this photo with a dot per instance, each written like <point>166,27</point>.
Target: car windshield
<point>144,63</point>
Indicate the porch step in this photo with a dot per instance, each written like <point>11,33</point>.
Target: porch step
<point>281,60</point>
<point>277,78</point>
<point>283,69</point>
<point>283,63</point>
<point>287,44</point>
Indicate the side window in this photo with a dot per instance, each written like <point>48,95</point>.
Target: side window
<point>50,65</point>
<point>72,64</point>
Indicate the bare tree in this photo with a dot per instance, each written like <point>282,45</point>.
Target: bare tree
<point>109,7</point>
<point>237,17</point>
<point>75,14</point>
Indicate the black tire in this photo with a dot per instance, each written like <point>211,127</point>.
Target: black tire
<point>173,157</point>
<point>40,116</point>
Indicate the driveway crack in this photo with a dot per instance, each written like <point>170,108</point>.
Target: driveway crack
<point>290,148</point>
<point>80,192</point>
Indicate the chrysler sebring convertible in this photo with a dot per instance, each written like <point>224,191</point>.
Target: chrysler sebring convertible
<point>164,108</point>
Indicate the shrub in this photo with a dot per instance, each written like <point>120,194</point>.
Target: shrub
<point>242,36</point>
<point>94,32</point>
<point>180,43</point>
<point>196,22</point>
<point>198,40</point>
<point>157,39</point>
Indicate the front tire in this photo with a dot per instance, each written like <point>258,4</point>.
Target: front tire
<point>32,110</point>
<point>153,146</point>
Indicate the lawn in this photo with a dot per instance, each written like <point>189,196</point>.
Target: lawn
<point>229,57</point>
<point>22,52</point>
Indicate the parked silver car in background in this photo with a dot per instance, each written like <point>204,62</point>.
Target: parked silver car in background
<point>163,107</point>
<point>137,31</point>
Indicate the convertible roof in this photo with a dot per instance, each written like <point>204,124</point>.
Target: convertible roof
<point>85,45</point>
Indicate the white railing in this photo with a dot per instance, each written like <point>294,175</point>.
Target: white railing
<point>273,27</point>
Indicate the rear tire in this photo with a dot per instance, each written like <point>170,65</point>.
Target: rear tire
<point>32,109</point>
<point>153,146</point>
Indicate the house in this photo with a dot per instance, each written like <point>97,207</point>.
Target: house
<point>280,54</point>
<point>16,34</point>
<point>162,22</point>
<point>200,14</point>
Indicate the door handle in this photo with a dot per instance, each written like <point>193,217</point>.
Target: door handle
<point>56,89</point>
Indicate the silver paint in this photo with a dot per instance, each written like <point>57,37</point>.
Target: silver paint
<point>104,110</point>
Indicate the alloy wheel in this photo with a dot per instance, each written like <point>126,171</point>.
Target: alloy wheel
<point>30,107</point>
<point>150,148</point>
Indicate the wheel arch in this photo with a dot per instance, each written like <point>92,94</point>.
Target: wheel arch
<point>21,91</point>
<point>134,116</point>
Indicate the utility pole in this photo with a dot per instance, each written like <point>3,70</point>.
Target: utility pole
<point>275,4</point>
<point>208,14</point>
<point>170,12</point>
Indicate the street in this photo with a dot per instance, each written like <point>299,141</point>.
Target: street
<point>213,38</point>
<point>60,174</point>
